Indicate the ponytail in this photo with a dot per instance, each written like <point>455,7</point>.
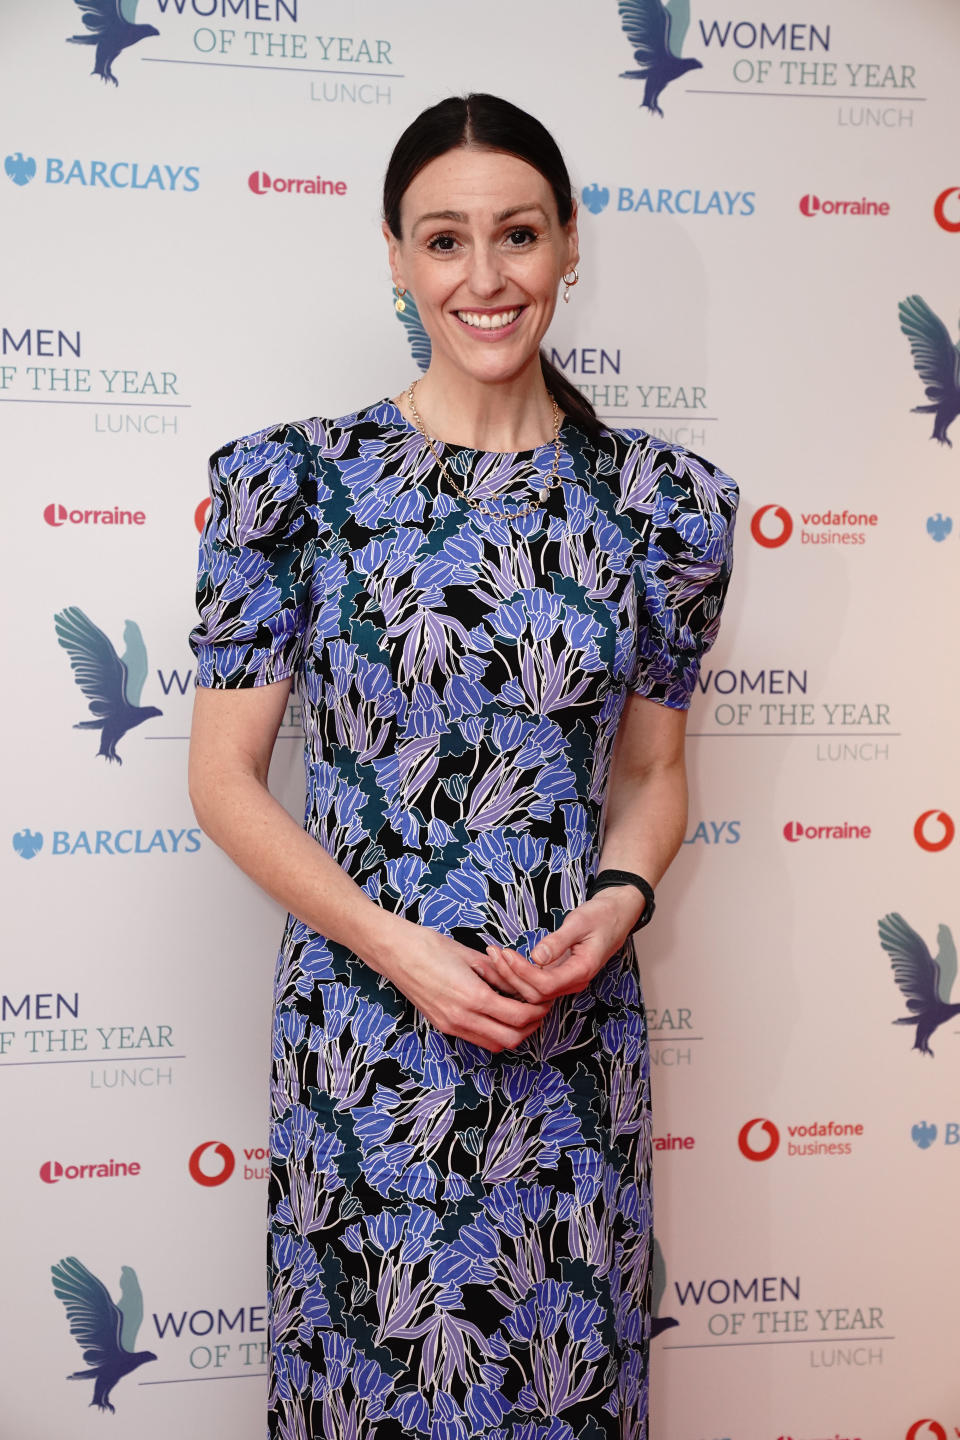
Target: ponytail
<point>571,400</point>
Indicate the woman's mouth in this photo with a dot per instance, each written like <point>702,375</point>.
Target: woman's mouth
<point>490,321</point>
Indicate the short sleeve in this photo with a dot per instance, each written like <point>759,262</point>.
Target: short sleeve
<point>683,577</point>
<point>256,555</point>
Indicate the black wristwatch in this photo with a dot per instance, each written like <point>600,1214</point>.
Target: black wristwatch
<point>606,878</point>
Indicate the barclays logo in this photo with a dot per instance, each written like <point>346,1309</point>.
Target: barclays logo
<point>665,201</point>
<point>925,1134</point>
<point>595,197</point>
<point>21,171</point>
<point>939,526</point>
<point>27,843</point>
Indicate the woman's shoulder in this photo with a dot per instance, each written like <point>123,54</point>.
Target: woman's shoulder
<point>646,465</point>
<point>314,437</point>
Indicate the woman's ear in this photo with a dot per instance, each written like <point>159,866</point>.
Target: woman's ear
<point>393,253</point>
<point>573,237</point>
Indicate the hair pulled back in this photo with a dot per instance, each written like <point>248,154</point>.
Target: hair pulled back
<point>489,123</point>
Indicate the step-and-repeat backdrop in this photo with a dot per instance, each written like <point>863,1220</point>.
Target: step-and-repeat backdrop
<point>770,221</point>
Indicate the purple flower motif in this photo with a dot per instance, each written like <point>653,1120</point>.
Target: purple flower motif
<point>404,876</point>
<point>315,1308</point>
<point>353,1239</point>
<point>385,1229</point>
<point>535,1200</point>
<point>418,1181</point>
<point>583,1315</point>
<point>420,1227</point>
<point>486,1406</point>
<point>551,1302</point>
<point>412,1410</point>
<point>522,1322</point>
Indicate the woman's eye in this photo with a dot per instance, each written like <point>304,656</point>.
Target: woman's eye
<point>442,242</point>
<point>521,237</point>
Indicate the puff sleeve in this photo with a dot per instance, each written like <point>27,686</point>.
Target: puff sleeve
<point>257,552</point>
<point>683,577</point>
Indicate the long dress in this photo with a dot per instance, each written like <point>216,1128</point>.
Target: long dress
<point>459,1241</point>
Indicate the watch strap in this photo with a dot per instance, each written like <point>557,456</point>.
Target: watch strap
<point>607,878</point>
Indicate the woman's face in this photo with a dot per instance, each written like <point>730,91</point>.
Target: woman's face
<point>482,254</point>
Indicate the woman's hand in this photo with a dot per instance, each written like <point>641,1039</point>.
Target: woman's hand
<point>566,961</point>
<point>453,986</point>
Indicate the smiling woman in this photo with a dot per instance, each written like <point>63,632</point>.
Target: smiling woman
<point>493,608</point>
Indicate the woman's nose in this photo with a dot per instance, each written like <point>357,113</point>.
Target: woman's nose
<point>486,278</point>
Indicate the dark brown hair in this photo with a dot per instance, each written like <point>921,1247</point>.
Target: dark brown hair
<point>489,123</point>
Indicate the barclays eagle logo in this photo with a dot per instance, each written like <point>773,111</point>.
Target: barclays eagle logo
<point>20,170</point>
<point>937,362</point>
<point>939,526</point>
<point>596,198</point>
<point>106,1332</point>
<point>111,684</point>
<point>656,32</point>
<point>112,29</point>
<point>925,982</point>
<point>923,1135</point>
<point>409,318</point>
<point>27,843</point>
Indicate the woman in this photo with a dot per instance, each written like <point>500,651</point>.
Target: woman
<point>493,614</point>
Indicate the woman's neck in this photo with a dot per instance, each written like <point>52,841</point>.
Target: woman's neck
<point>516,414</point>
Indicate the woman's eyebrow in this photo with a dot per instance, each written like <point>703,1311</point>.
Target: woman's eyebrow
<point>460,218</point>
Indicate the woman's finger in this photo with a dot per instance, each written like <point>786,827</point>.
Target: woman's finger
<point>513,978</point>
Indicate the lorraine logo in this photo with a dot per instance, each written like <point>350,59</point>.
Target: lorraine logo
<point>775,531</point>
<point>923,1135</point>
<point>926,982</point>
<point>940,209</point>
<point>261,184</point>
<point>658,1322</point>
<point>217,1177</point>
<point>111,27</point>
<point>937,362</point>
<point>811,205</point>
<point>595,197</point>
<point>927,1430</point>
<point>939,526</point>
<point>111,684</point>
<point>656,32</point>
<point>419,340</point>
<point>751,1146</point>
<point>27,843</point>
<point>947,830</point>
<point>106,1332</point>
<point>20,170</point>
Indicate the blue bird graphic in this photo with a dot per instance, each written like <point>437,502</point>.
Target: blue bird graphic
<point>112,685</point>
<point>937,362</point>
<point>420,347</point>
<point>656,32</point>
<point>106,1332</point>
<point>112,29</point>
<point>21,171</point>
<point>658,1322</point>
<point>925,982</point>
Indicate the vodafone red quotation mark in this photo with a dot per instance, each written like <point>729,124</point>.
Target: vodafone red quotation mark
<point>942,841</point>
<point>748,1150</point>
<point>926,1430</point>
<point>784,533</point>
<point>940,212</point>
<point>226,1156</point>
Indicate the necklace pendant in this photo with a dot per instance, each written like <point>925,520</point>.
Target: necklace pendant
<point>543,493</point>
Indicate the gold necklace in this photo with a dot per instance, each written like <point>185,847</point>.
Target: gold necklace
<point>548,484</point>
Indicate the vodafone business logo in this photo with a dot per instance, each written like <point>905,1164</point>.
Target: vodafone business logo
<point>934,818</point>
<point>200,514</point>
<point>775,531</point>
<point>57,515</point>
<point>811,205</point>
<point>759,1139</point>
<point>949,222</point>
<point>213,1176</point>
<point>262,184</point>
<point>927,1430</point>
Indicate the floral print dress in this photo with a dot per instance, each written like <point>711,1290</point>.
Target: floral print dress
<point>459,1241</point>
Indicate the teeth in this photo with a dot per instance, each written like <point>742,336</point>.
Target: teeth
<point>487,321</point>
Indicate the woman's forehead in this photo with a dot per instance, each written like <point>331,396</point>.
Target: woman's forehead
<point>477,184</point>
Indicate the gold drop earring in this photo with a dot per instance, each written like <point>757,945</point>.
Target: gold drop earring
<point>569,280</point>
<point>399,303</point>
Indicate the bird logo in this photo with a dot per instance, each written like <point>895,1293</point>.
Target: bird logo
<point>111,684</point>
<point>925,982</point>
<point>106,1332</point>
<point>27,843</point>
<point>658,1322</point>
<point>596,198</point>
<point>923,1135</point>
<point>939,526</point>
<point>112,28</point>
<point>656,32</point>
<point>420,347</point>
<point>937,362</point>
<point>21,170</point>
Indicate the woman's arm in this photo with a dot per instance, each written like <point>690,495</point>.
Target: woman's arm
<point>646,815</point>
<point>231,742</point>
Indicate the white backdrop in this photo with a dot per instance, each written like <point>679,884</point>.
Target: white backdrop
<point>151,314</point>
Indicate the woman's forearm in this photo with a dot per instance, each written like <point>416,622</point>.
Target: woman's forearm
<point>240,815</point>
<point>646,817</point>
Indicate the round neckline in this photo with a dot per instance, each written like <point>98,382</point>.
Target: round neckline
<point>566,425</point>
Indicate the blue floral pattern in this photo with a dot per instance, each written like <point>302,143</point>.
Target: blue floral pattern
<point>459,1240</point>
